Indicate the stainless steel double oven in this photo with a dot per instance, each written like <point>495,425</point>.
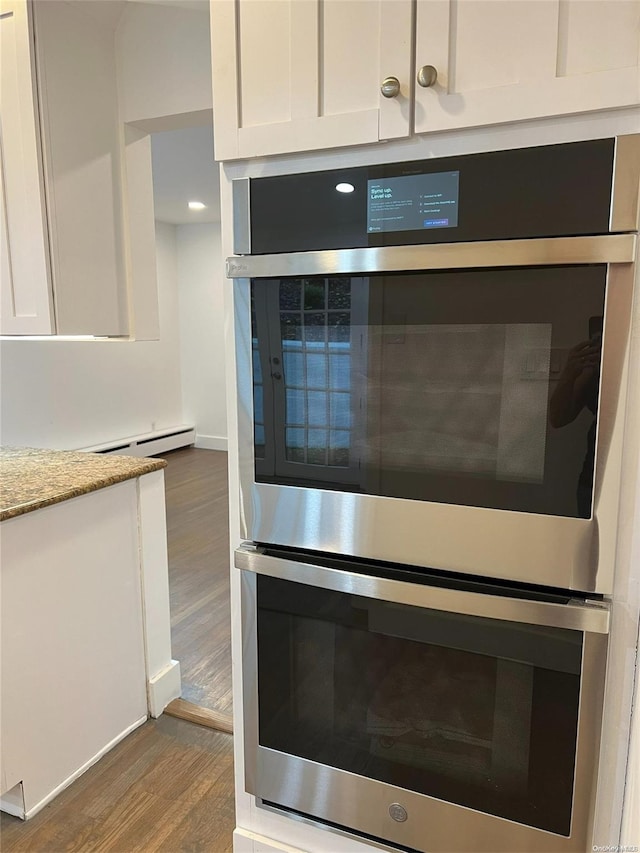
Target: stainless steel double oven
<point>431,382</point>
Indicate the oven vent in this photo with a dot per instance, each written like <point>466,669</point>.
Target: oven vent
<point>149,443</point>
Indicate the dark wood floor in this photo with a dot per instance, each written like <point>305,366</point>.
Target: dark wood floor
<point>166,787</point>
<point>198,538</point>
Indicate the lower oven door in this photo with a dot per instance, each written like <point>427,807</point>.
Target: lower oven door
<point>434,718</point>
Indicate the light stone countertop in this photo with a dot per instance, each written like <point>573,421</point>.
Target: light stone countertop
<point>31,478</point>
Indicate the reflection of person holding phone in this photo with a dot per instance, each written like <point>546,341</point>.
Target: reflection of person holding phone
<point>578,384</point>
<point>577,389</point>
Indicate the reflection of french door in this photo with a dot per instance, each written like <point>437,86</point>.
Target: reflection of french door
<point>309,342</point>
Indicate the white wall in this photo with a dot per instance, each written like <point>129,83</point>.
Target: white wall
<point>69,394</point>
<point>201,285</point>
<point>164,61</point>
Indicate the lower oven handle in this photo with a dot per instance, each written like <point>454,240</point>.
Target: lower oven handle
<point>589,617</point>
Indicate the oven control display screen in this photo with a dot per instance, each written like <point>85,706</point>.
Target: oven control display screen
<point>413,202</point>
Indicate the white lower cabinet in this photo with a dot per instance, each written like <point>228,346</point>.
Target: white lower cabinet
<point>73,664</point>
<point>85,635</point>
<point>294,76</point>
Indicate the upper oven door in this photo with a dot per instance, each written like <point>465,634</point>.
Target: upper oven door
<point>451,416</point>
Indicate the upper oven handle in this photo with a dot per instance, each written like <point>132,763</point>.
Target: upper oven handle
<point>547,251</point>
<point>590,617</point>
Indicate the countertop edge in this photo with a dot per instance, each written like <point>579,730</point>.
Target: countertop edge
<point>146,466</point>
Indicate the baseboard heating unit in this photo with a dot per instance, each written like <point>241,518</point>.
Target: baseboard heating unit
<point>149,443</point>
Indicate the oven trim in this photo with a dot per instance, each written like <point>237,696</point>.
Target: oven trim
<point>318,791</point>
<point>539,251</point>
<point>326,827</point>
<point>625,196</point>
<point>241,199</point>
<point>577,615</point>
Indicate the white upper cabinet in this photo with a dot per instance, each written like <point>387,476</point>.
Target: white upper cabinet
<point>501,61</point>
<point>23,243</point>
<point>83,168</point>
<point>297,75</point>
<point>77,224</point>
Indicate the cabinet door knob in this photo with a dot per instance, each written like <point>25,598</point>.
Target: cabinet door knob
<point>390,87</point>
<point>427,76</point>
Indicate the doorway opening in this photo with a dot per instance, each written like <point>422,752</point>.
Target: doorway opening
<point>187,213</point>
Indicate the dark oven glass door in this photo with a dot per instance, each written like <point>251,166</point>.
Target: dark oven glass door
<point>470,387</point>
<point>474,711</point>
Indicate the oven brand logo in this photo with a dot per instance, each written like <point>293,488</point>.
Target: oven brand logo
<point>398,812</point>
<point>234,267</point>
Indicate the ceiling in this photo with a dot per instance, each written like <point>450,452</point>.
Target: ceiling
<point>183,171</point>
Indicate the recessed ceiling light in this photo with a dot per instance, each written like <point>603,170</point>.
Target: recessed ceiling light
<point>345,188</point>
<point>197,205</point>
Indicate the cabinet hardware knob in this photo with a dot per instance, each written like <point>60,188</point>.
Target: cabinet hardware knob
<point>276,375</point>
<point>427,76</point>
<point>390,87</point>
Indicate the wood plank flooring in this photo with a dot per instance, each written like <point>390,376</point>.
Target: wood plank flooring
<point>167,787</point>
<point>198,540</point>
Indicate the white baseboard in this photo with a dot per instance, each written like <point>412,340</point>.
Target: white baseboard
<point>211,442</point>
<point>12,801</point>
<point>50,796</point>
<point>164,688</point>
<point>149,443</point>
<point>242,841</point>
<point>245,841</point>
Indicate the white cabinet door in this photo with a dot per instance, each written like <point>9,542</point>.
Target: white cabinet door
<point>503,61</point>
<point>25,303</point>
<point>82,147</point>
<point>66,268</point>
<point>72,636</point>
<point>298,75</point>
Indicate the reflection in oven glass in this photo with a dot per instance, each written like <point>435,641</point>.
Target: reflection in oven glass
<point>479,712</point>
<point>457,387</point>
<point>315,329</point>
<point>438,718</point>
